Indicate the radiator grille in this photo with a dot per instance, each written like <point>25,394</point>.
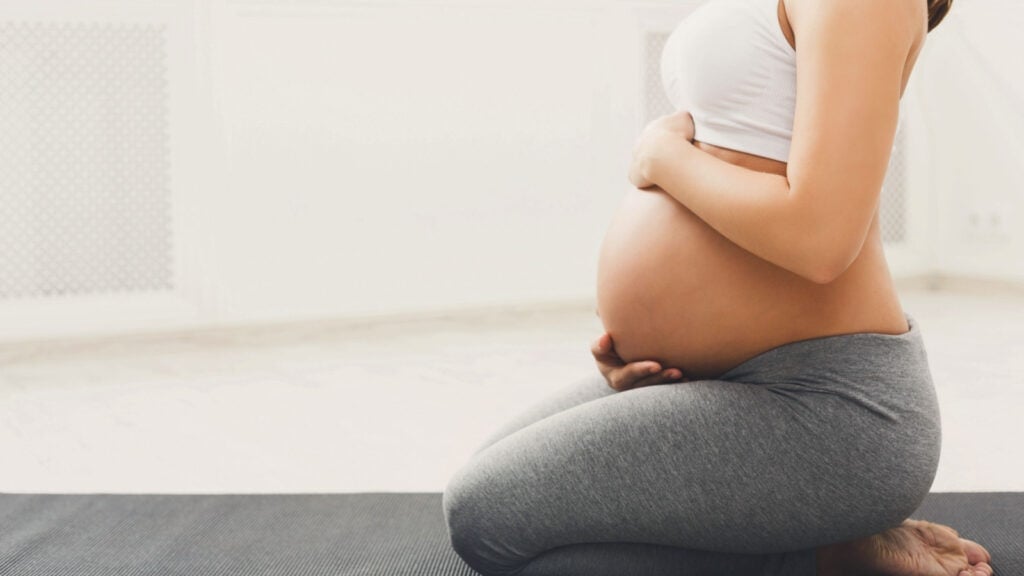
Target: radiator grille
<point>85,202</point>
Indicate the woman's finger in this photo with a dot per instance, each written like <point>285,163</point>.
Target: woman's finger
<point>665,376</point>
<point>604,351</point>
<point>629,375</point>
<point>661,377</point>
<point>623,376</point>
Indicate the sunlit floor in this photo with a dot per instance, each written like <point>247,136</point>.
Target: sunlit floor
<point>344,407</point>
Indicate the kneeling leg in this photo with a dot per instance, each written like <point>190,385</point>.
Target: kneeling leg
<point>676,478</point>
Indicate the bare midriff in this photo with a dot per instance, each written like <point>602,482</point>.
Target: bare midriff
<point>671,288</point>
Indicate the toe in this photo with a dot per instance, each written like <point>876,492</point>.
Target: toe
<point>975,552</point>
<point>983,569</point>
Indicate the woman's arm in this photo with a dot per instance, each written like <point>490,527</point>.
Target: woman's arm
<point>813,222</point>
<point>752,209</point>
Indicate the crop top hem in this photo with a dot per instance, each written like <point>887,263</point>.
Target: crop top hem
<point>743,141</point>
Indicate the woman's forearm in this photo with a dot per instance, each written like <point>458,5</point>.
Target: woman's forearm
<point>752,209</point>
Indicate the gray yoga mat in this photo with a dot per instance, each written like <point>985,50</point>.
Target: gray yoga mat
<point>386,534</point>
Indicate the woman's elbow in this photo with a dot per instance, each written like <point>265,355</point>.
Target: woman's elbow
<point>818,257</point>
<point>826,274</point>
<point>832,263</point>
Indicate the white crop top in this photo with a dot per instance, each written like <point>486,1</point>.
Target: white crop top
<point>730,66</point>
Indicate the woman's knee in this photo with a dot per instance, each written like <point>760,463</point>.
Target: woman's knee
<point>474,525</point>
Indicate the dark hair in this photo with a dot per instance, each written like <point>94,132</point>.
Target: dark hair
<point>937,10</point>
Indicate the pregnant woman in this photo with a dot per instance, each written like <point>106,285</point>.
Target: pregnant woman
<point>764,405</point>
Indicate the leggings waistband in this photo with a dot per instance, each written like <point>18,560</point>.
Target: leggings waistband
<point>842,356</point>
<point>885,374</point>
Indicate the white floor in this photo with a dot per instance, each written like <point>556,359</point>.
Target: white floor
<point>340,407</point>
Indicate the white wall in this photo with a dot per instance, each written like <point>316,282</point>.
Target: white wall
<point>406,156</point>
<point>972,82</point>
<point>356,158</point>
<point>400,156</point>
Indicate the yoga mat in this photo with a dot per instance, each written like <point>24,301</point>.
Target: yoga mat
<point>380,534</point>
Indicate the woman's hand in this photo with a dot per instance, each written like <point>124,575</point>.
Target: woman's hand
<point>677,125</point>
<point>622,376</point>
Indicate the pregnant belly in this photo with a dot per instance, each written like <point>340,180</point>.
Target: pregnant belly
<point>671,288</point>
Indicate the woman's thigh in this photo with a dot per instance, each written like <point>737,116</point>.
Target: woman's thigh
<point>707,465</point>
<point>580,391</point>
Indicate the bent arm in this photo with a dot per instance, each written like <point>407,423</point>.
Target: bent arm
<point>755,210</point>
<point>851,56</point>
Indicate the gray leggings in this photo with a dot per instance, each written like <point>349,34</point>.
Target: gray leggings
<point>809,443</point>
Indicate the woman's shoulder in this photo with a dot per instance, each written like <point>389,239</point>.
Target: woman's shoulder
<point>912,13</point>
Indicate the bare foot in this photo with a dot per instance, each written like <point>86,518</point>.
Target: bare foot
<point>914,548</point>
